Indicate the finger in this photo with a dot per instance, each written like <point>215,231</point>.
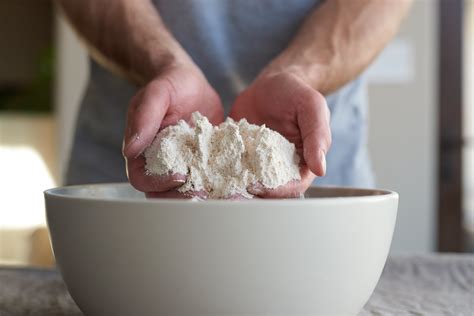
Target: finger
<point>215,115</point>
<point>173,194</point>
<point>238,110</point>
<point>145,114</point>
<point>211,107</point>
<point>289,190</point>
<point>285,191</point>
<point>144,182</point>
<point>313,119</point>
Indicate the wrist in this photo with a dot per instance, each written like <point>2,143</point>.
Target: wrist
<point>165,61</point>
<point>311,73</point>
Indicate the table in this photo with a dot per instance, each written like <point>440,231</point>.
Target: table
<point>428,284</point>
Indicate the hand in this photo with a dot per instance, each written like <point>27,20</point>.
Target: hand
<point>174,95</point>
<point>287,104</point>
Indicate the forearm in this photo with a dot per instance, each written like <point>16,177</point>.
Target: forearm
<point>128,37</point>
<point>339,40</point>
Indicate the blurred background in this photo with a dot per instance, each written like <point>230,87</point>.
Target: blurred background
<point>421,124</point>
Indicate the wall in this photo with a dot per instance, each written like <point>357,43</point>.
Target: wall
<point>27,150</point>
<point>22,43</point>
<point>468,125</point>
<point>27,167</point>
<point>402,123</point>
<point>403,131</point>
<point>72,72</point>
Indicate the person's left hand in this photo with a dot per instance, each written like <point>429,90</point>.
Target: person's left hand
<point>287,104</point>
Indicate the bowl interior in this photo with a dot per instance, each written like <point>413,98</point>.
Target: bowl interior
<point>123,191</point>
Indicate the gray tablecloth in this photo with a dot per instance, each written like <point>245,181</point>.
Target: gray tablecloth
<point>431,284</point>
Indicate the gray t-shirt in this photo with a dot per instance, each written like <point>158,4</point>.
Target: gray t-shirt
<point>231,41</point>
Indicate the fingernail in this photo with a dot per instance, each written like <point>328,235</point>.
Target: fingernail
<point>322,158</point>
<point>178,181</point>
<point>256,188</point>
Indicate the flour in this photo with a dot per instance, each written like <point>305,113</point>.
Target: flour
<point>224,160</point>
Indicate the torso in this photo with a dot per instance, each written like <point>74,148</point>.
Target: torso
<point>231,41</point>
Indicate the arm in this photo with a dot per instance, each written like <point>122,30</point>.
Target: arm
<point>130,38</point>
<point>339,40</point>
<point>336,42</point>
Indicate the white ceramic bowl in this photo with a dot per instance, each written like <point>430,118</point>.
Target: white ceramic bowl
<point>121,254</point>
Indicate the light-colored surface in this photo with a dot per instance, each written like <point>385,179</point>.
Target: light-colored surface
<point>72,71</point>
<point>402,123</point>
<point>402,138</point>
<point>430,284</point>
<point>27,167</point>
<point>285,257</point>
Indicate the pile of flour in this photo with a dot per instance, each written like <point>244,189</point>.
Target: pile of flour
<point>223,160</point>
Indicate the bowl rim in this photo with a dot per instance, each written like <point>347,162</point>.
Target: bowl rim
<point>383,194</point>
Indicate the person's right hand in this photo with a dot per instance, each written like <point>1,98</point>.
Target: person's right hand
<point>173,95</point>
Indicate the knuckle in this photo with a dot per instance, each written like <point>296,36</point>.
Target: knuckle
<point>155,85</point>
<point>136,100</point>
<point>308,97</point>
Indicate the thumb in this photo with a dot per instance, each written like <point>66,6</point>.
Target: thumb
<point>314,123</point>
<point>146,112</point>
